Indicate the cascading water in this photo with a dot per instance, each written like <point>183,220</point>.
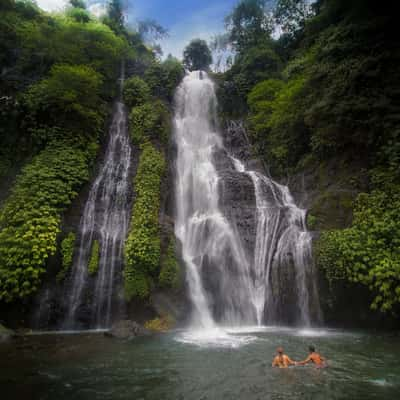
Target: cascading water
<point>228,283</point>
<point>105,219</point>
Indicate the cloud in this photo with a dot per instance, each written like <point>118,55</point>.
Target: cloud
<point>97,9</point>
<point>51,5</point>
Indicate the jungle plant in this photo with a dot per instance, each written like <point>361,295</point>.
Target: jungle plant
<point>142,247</point>
<point>67,253</point>
<point>93,266</point>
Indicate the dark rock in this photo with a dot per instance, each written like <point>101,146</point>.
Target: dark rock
<point>127,329</point>
<point>5,334</point>
<point>328,189</point>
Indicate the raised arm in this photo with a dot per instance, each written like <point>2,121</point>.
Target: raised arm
<point>290,361</point>
<point>306,361</point>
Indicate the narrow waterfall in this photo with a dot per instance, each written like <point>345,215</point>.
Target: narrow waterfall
<point>229,282</point>
<point>105,220</point>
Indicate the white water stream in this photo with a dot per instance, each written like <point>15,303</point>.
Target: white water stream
<point>105,219</point>
<point>249,286</point>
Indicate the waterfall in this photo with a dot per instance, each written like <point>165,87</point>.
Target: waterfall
<point>105,219</point>
<point>228,283</point>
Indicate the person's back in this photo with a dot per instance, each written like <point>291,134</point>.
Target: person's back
<point>314,358</point>
<point>282,360</point>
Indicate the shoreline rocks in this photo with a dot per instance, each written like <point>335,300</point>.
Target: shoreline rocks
<point>127,329</point>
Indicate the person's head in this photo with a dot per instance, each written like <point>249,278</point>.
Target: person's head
<point>279,350</point>
<point>311,349</point>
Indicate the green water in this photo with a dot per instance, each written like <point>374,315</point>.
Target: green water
<point>180,366</point>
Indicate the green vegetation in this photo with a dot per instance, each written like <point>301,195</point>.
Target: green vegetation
<point>67,253</point>
<point>170,273</point>
<point>163,78</point>
<point>136,92</point>
<point>93,266</point>
<point>69,98</point>
<point>160,324</point>
<point>30,217</point>
<point>197,55</point>
<point>142,247</point>
<point>368,252</point>
<point>150,126</point>
<point>150,121</point>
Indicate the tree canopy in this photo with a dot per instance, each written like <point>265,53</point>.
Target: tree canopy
<point>197,55</point>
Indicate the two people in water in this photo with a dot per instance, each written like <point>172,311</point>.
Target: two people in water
<point>281,360</point>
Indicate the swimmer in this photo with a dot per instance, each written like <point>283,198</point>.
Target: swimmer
<point>282,360</point>
<point>314,358</point>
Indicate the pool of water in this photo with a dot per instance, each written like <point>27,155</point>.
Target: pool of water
<point>216,364</point>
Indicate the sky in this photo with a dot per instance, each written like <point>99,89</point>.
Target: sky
<point>184,19</point>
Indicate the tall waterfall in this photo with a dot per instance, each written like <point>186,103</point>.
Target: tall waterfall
<point>230,282</point>
<point>105,219</point>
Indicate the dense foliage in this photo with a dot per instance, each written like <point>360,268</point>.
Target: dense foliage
<point>142,247</point>
<point>67,254</point>
<point>368,252</point>
<point>136,92</point>
<point>93,265</point>
<point>197,55</point>
<point>164,77</point>
<point>30,218</point>
<point>170,272</point>
<point>150,121</point>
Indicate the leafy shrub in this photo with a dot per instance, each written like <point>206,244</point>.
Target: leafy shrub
<point>311,221</point>
<point>93,266</point>
<point>67,253</point>
<point>69,97</point>
<point>368,252</point>
<point>150,121</point>
<point>79,15</point>
<point>136,92</point>
<point>142,247</point>
<point>164,77</point>
<point>277,121</point>
<point>170,273</point>
<point>30,217</point>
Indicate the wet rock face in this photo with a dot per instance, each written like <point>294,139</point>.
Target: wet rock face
<point>236,190</point>
<point>238,204</point>
<point>328,189</point>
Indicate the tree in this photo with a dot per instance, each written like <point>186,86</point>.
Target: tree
<point>291,15</point>
<point>197,55</point>
<point>78,4</point>
<point>151,31</point>
<point>249,24</point>
<point>136,92</point>
<point>115,16</point>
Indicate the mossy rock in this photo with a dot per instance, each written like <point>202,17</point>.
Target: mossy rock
<point>160,324</point>
<point>332,209</point>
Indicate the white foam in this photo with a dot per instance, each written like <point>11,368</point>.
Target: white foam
<point>310,332</point>
<point>214,337</point>
<point>380,382</point>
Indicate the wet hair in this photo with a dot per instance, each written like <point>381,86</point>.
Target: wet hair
<point>311,348</point>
